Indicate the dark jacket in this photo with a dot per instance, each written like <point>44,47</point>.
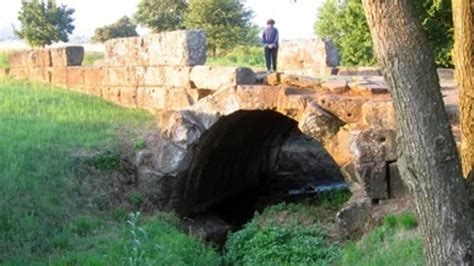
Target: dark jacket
<point>270,36</point>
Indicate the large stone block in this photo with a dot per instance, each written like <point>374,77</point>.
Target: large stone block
<point>58,75</point>
<point>117,76</point>
<point>257,97</point>
<point>19,72</point>
<point>38,58</point>
<point>18,59</point>
<point>221,77</point>
<point>346,108</point>
<point>319,124</point>
<point>359,71</point>
<point>381,114</point>
<point>39,74</point>
<point>111,94</point>
<point>373,179</point>
<point>338,146</point>
<point>128,96</point>
<point>336,86</point>
<point>307,53</point>
<point>181,48</point>
<point>75,76</point>
<point>354,219</point>
<point>67,56</point>
<point>397,188</point>
<point>373,145</point>
<point>94,76</point>
<point>169,76</point>
<point>151,98</point>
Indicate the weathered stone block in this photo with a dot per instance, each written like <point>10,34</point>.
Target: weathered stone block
<point>94,76</point>
<point>258,97</point>
<point>346,108</point>
<point>92,90</point>
<point>373,145</point>
<point>319,124</point>
<point>338,146</point>
<point>307,53</point>
<point>353,220</point>
<point>379,114</point>
<point>397,188</point>
<point>373,179</point>
<point>117,76</point>
<point>19,72</point>
<point>39,74</point>
<point>58,75</point>
<point>75,76</point>
<point>38,58</point>
<point>369,88</point>
<point>151,98</point>
<point>169,76</point>
<point>111,94</point>
<point>445,73</point>
<point>359,71</point>
<point>300,81</point>
<point>67,56</point>
<point>177,98</point>
<point>18,59</point>
<point>128,96</point>
<point>336,86</point>
<point>178,48</point>
<point>221,77</point>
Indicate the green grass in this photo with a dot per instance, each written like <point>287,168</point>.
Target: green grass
<point>395,243</point>
<point>42,217</point>
<point>91,57</point>
<point>247,56</point>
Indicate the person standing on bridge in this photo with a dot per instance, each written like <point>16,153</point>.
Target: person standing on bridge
<point>270,42</point>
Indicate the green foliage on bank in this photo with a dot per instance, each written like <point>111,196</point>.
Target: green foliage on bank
<point>345,23</point>
<point>43,218</point>
<point>395,243</point>
<point>161,15</point>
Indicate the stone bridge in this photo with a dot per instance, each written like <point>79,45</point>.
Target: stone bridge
<point>222,128</point>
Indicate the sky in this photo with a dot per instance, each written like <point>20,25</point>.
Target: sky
<point>293,20</point>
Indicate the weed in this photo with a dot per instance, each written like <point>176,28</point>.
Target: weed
<point>107,161</point>
<point>139,144</point>
<point>136,199</point>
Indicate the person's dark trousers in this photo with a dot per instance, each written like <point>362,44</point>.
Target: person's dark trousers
<point>271,56</point>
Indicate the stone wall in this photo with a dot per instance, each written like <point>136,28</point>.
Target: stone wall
<point>155,72</point>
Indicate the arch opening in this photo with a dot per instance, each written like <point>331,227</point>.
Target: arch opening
<point>251,159</point>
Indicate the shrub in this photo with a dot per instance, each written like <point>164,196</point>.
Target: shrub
<point>285,234</point>
<point>123,27</point>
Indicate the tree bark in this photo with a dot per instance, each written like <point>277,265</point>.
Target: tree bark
<point>463,18</point>
<point>429,162</point>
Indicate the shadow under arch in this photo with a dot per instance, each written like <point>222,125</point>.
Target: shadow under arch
<point>239,153</point>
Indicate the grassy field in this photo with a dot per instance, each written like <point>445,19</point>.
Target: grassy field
<point>241,56</point>
<point>42,218</point>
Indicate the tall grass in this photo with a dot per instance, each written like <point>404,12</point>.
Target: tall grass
<point>42,217</point>
<point>245,56</point>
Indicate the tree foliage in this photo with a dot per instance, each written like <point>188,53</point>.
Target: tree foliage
<point>344,22</point>
<point>43,23</point>
<point>161,15</point>
<point>226,23</point>
<point>123,27</point>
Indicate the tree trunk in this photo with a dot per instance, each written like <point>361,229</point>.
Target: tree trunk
<point>429,162</point>
<point>463,17</point>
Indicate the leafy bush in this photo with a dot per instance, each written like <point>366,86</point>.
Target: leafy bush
<point>139,144</point>
<point>107,161</point>
<point>123,27</point>
<point>345,23</point>
<point>394,243</point>
<point>285,234</point>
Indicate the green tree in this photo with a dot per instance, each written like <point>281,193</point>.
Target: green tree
<point>161,15</point>
<point>43,23</point>
<point>123,27</point>
<point>226,23</point>
<point>344,22</point>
